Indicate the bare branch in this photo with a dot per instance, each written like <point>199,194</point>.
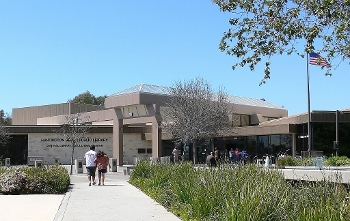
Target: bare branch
<point>194,111</point>
<point>74,130</point>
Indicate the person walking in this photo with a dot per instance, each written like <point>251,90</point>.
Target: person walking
<point>175,154</point>
<point>211,161</point>
<point>216,153</point>
<point>102,161</point>
<point>90,164</point>
<point>237,155</point>
<point>231,154</point>
<point>244,156</point>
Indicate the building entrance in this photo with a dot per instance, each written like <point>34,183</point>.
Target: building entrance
<point>16,150</point>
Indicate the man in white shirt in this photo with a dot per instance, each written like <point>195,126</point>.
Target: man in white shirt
<point>90,157</point>
<point>176,154</point>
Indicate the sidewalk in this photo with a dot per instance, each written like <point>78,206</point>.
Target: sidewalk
<point>116,200</point>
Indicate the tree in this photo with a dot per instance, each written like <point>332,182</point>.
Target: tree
<point>4,135</point>
<point>5,118</point>
<point>195,112</point>
<point>88,98</point>
<point>74,130</point>
<point>263,28</point>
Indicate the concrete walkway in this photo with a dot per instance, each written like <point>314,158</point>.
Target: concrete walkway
<point>116,200</point>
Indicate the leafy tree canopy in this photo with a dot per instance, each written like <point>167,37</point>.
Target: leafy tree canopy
<point>88,98</point>
<point>5,118</point>
<point>264,28</point>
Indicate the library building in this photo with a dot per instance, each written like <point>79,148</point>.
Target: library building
<point>127,127</point>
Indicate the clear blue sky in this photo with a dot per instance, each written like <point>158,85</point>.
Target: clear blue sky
<point>51,51</point>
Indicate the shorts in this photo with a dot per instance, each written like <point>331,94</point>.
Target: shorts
<point>91,171</point>
<point>102,171</point>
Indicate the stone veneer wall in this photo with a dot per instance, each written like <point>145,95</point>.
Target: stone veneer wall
<point>49,146</point>
<point>132,142</point>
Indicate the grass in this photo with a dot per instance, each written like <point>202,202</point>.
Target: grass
<point>243,193</point>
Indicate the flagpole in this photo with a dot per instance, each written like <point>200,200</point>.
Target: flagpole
<point>308,105</point>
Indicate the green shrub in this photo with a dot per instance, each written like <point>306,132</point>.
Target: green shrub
<point>41,180</point>
<point>290,161</point>
<point>337,161</point>
<point>286,161</point>
<point>303,162</point>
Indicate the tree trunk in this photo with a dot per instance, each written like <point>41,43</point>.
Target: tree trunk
<point>72,158</point>
<point>194,148</point>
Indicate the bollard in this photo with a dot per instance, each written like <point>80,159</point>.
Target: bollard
<point>79,165</point>
<point>38,163</point>
<point>7,162</point>
<point>113,163</point>
<point>57,161</point>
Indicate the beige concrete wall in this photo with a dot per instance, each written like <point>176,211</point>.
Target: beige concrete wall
<point>51,145</point>
<point>263,111</point>
<point>29,115</point>
<point>93,116</point>
<point>132,142</point>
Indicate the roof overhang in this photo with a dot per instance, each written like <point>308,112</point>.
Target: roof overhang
<point>265,130</point>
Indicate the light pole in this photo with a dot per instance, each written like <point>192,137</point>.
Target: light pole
<point>308,107</point>
<point>336,142</point>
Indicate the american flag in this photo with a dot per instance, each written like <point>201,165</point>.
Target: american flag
<point>316,59</point>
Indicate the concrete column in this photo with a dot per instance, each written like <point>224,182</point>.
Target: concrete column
<point>294,144</point>
<point>118,137</point>
<point>156,132</point>
<point>156,139</point>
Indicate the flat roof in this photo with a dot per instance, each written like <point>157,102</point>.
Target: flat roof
<point>161,90</point>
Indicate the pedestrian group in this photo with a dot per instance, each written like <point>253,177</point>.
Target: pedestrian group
<point>99,161</point>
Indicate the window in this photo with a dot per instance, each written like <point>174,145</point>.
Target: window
<point>240,120</point>
<point>144,150</point>
<point>265,118</point>
<point>141,150</point>
<point>245,120</point>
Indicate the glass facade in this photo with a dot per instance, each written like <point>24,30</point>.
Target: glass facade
<point>256,145</point>
<point>203,149</point>
<point>263,146</point>
<point>186,151</point>
<point>251,145</point>
<point>302,138</point>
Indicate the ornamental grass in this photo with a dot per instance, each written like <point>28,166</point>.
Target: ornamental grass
<point>231,192</point>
